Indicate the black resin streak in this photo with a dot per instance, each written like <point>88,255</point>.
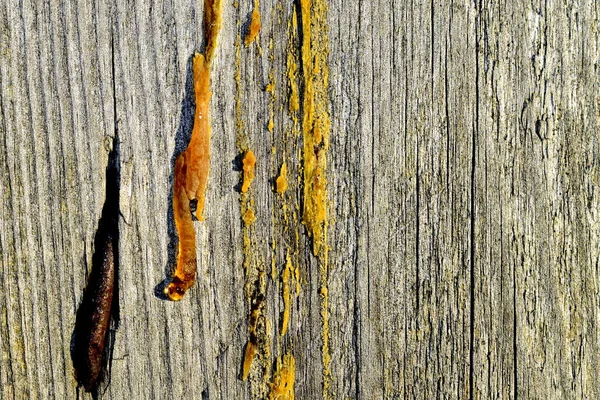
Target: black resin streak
<point>100,298</point>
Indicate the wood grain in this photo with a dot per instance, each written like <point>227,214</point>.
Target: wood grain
<point>463,179</point>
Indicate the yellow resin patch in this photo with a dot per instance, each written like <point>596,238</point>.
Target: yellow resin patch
<point>316,128</point>
<point>256,364</point>
<point>315,122</point>
<point>281,183</point>
<point>249,216</point>
<point>287,297</point>
<point>212,21</point>
<point>282,387</point>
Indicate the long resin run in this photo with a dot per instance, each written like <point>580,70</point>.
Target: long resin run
<point>191,176</point>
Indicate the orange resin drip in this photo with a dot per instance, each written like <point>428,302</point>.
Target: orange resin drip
<point>249,163</point>
<point>193,165</point>
<point>251,350</point>
<point>185,273</point>
<point>191,177</point>
<point>197,155</point>
<point>254,26</point>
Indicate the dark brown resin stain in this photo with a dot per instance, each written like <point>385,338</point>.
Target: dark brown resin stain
<point>100,298</point>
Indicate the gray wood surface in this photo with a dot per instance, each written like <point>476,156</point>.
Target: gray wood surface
<point>464,187</point>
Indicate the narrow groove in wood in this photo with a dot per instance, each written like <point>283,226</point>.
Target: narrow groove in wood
<point>61,373</point>
<point>30,235</point>
<point>47,261</point>
<point>8,250</point>
<point>21,275</point>
<point>472,238</point>
<point>59,179</point>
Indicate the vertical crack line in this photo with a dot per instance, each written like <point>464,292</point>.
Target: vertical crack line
<point>473,204</point>
<point>373,72</point>
<point>447,114</point>
<point>7,211</point>
<point>417,230</point>
<point>116,311</point>
<point>114,80</point>
<point>417,222</point>
<point>404,206</point>
<point>515,385</point>
<point>373,173</point>
<point>432,15</point>
<point>356,331</point>
<point>357,327</point>
<point>117,182</point>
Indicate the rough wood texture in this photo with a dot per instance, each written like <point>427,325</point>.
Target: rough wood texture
<point>464,185</point>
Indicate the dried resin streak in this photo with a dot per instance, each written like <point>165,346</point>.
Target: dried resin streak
<point>193,165</point>
<point>100,299</point>
<point>316,128</point>
<point>254,276</point>
<point>315,120</point>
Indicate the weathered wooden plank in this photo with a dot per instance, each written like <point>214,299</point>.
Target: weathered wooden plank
<point>463,176</point>
<point>528,193</point>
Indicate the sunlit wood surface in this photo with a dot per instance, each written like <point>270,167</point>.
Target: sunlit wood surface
<point>463,179</point>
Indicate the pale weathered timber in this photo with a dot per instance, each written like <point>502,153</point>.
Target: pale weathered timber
<point>464,187</point>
